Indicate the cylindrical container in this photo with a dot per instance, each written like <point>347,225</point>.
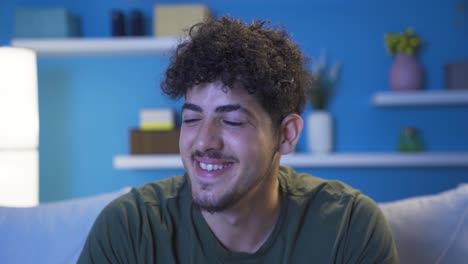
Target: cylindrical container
<point>456,75</point>
<point>118,23</point>
<point>137,23</point>
<point>320,132</point>
<point>19,105</point>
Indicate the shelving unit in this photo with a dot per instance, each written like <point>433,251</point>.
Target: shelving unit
<point>336,160</point>
<point>423,98</point>
<point>100,46</point>
<point>165,45</point>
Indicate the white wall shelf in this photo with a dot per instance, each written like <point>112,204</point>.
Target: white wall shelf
<point>99,46</point>
<point>336,160</point>
<point>453,97</point>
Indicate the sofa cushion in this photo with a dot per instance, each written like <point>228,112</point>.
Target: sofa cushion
<point>51,232</point>
<point>431,229</point>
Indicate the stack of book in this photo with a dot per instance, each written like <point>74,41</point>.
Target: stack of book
<point>157,133</point>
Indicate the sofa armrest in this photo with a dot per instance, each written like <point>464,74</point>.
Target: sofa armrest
<point>49,233</point>
<point>432,228</point>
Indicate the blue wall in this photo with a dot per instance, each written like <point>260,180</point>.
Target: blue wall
<point>88,104</point>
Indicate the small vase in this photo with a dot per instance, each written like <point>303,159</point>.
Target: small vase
<point>406,73</point>
<point>320,132</point>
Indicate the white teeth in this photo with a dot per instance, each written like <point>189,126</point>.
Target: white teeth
<point>210,167</point>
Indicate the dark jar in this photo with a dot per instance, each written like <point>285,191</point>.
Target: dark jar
<point>118,23</point>
<point>410,140</point>
<point>136,23</point>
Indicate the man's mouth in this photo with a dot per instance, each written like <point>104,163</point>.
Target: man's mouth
<point>213,167</point>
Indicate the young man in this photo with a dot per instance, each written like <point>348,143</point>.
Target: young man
<point>244,88</point>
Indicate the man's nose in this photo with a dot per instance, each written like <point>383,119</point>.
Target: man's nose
<point>209,136</point>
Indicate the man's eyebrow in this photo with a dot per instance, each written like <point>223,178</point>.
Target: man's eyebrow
<point>192,107</point>
<point>219,109</point>
<point>231,108</point>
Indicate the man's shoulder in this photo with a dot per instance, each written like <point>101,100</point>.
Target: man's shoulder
<point>350,221</point>
<point>153,194</point>
<point>160,191</point>
<point>135,220</point>
<point>326,193</point>
<point>306,185</point>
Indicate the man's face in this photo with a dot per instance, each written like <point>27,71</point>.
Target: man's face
<point>227,144</point>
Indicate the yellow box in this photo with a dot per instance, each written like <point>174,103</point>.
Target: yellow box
<point>156,126</point>
<point>176,20</point>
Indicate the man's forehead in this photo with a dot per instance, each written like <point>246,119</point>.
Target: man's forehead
<point>218,85</point>
<point>214,93</point>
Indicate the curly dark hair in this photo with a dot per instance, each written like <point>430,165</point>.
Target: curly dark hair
<point>263,59</point>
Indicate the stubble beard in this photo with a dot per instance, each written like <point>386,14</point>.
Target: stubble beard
<point>204,199</point>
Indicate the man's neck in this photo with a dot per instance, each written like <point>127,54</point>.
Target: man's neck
<point>246,226</point>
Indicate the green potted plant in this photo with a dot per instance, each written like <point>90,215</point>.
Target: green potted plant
<point>406,72</point>
<point>322,87</point>
<point>319,122</point>
<point>406,42</point>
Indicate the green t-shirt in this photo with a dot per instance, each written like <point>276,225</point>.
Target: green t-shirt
<point>320,221</point>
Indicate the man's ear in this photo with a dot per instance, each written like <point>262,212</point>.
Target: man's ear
<point>291,128</point>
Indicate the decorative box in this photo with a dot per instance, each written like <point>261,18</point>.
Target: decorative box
<point>175,20</point>
<point>45,23</point>
<point>456,75</point>
<point>154,142</point>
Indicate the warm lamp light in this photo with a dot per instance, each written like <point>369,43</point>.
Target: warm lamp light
<point>19,128</point>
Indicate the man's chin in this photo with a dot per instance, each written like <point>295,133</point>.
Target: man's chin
<point>208,206</point>
<point>212,204</point>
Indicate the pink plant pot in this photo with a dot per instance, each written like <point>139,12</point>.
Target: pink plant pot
<point>406,73</point>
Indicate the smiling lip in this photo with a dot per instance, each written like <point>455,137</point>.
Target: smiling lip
<point>211,169</point>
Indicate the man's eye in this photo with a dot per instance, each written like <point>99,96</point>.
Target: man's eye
<point>190,121</point>
<point>230,123</point>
